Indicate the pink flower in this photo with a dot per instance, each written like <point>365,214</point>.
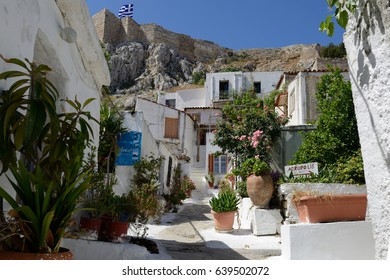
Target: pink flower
<point>255,144</point>
<point>242,137</point>
<point>257,133</point>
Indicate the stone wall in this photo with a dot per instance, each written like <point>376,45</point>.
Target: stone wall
<point>108,27</point>
<point>311,100</point>
<point>113,30</point>
<point>321,64</point>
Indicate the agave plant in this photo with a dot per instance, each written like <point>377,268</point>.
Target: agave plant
<point>226,201</point>
<point>44,151</point>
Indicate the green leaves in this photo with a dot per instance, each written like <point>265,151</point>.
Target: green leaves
<point>225,201</point>
<point>341,13</point>
<point>50,179</point>
<point>336,136</point>
<point>242,117</point>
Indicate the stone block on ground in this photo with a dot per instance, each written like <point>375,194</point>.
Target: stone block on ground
<point>266,221</point>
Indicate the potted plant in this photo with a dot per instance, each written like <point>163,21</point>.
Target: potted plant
<point>314,207</point>
<point>260,186</point>
<point>224,207</point>
<point>210,179</point>
<point>187,185</point>
<point>97,200</point>
<point>44,152</point>
<point>116,223</point>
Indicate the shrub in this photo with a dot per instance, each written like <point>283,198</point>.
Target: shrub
<point>241,189</point>
<point>199,78</point>
<point>333,51</point>
<point>350,170</point>
<point>336,139</point>
<point>247,128</point>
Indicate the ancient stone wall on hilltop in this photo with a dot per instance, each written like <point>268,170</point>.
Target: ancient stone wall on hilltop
<point>113,30</point>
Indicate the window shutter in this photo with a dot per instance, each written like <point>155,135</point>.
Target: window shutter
<point>171,128</point>
<point>211,163</point>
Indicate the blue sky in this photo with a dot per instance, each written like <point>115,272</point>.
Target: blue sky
<point>238,24</point>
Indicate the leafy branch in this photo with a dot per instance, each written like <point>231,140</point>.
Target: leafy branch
<point>342,8</point>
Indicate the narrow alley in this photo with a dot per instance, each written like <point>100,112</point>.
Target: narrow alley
<point>189,234</point>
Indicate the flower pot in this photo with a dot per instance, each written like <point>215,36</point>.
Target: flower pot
<point>63,254</point>
<point>90,227</point>
<point>332,208</point>
<point>117,231</point>
<point>223,221</point>
<point>232,180</point>
<point>260,189</point>
<point>188,193</point>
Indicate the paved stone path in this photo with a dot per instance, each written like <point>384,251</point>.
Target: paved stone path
<point>190,235</point>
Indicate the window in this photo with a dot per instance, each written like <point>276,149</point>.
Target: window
<point>171,128</point>
<point>257,87</point>
<point>223,89</point>
<point>220,164</point>
<point>171,103</point>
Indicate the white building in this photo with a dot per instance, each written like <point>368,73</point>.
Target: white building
<point>222,86</point>
<point>171,136</point>
<point>298,101</point>
<point>204,105</point>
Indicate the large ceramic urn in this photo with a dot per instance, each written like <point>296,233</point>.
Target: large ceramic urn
<point>260,189</point>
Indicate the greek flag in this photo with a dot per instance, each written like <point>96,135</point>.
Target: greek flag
<point>126,11</point>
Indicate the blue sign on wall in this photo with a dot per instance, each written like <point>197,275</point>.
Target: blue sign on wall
<point>129,148</point>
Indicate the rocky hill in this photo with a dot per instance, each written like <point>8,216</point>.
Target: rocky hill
<point>148,58</point>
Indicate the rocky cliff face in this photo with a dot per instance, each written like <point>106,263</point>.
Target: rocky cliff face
<point>148,58</point>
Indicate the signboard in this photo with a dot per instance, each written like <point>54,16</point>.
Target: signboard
<point>304,169</point>
<point>129,148</point>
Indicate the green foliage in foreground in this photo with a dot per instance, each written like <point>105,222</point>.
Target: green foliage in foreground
<point>226,201</point>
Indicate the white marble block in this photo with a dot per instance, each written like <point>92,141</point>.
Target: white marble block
<point>266,221</point>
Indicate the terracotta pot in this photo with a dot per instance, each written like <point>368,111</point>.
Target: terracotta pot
<point>63,254</point>
<point>188,193</point>
<point>117,231</point>
<point>231,179</point>
<point>91,226</point>
<point>223,221</point>
<point>106,219</point>
<point>348,207</point>
<point>260,189</point>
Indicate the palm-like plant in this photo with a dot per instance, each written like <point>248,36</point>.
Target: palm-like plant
<point>48,176</point>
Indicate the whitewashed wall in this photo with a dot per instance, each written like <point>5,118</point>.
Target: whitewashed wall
<point>241,81</point>
<point>31,29</point>
<point>268,80</point>
<point>367,40</point>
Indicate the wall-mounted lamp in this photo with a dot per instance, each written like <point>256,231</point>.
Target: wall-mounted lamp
<point>68,34</point>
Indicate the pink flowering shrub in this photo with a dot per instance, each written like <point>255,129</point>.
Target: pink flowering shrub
<point>247,128</point>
